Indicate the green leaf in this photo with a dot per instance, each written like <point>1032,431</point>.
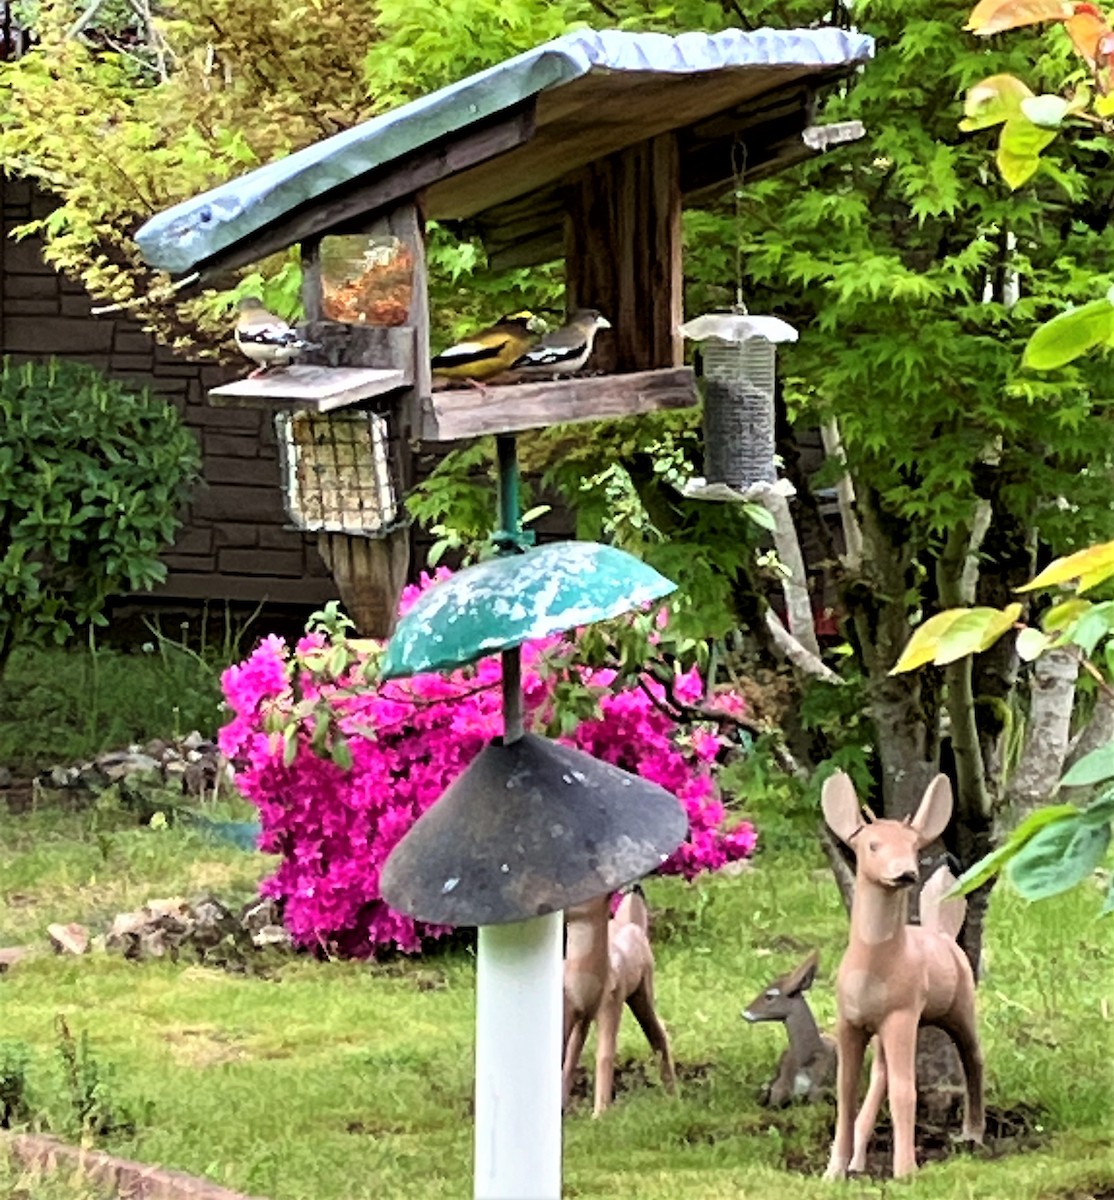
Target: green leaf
<point>341,752</point>
<point>1092,626</point>
<point>1019,148</point>
<point>923,646</point>
<point>1068,336</point>
<point>1061,615</point>
<point>990,864</point>
<point>289,745</point>
<point>1096,767</point>
<point>1101,810</point>
<point>761,516</point>
<point>993,101</point>
<point>1046,111</point>
<point>975,631</point>
<point>1031,644</point>
<point>1058,858</point>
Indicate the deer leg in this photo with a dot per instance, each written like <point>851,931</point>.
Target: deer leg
<point>641,1002</point>
<point>574,1047</point>
<point>966,1038</point>
<point>607,1032</point>
<point>851,1042</point>
<point>898,1036</point>
<point>868,1114</point>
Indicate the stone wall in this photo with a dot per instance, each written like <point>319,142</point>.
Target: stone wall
<point>233,545</point>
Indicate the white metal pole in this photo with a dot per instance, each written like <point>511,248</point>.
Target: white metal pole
<point>518,1060</point>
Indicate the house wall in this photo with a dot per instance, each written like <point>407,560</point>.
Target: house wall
<point>233,545</point>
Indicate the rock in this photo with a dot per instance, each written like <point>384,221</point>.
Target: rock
<point>68,939</point>
<point>256,915</point>
<point>158,749</point>
<point>272,935</point>
<point>10,955</point>
<point>121,764</point>
<point>61,777</point>
<point>193,741</point>
<point>6,777</point>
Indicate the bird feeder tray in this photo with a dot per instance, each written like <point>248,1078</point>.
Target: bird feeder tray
<point>501,603</point>
<point>316,389</point>
<point>528,829</point>
<point>450,414</point>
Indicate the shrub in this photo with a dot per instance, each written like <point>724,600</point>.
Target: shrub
<point>92,475</point>
<point>340,765</point>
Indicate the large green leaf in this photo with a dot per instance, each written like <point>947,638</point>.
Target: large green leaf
<point>925,642</point>
<point>1092,627</point>
<point>1058,858</point>
<point>1068,336</point>
<point>1101,810</point>
<point>993,101</point>
<point>1096,767</point>
<point>990,864</point>
<point>976,630</point>
<point>1093,564</point>
<point>1019,149</point>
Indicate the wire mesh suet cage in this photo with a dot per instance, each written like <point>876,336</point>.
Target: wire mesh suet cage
<point>739,357</point>
<point>336,472</point>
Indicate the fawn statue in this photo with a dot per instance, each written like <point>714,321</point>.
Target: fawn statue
<point>609,964</point>
<point>806,1070</point>
<point>895,977</point>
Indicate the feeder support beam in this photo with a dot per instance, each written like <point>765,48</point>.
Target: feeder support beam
<point>623,254</point>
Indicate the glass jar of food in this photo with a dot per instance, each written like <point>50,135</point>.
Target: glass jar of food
<point>366,279</point>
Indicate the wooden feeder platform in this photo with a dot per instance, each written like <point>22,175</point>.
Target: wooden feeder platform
<point>454,413</point>
<point>315,388</point>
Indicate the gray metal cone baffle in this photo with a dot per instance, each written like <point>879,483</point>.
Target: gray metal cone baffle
<point>529,829</point>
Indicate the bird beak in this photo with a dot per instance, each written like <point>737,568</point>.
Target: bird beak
<point>536,325</point>
<point>603,323</point>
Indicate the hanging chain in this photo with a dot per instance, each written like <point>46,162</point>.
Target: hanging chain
<point>738,172</point>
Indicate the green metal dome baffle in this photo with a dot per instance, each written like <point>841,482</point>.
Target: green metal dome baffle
<point>530,828</point>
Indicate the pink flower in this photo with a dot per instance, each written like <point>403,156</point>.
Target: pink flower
<point>409,739</point>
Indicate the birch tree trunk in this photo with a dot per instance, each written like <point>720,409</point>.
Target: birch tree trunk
<point>1048,733</point>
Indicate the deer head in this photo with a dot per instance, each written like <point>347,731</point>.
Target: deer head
<point>886,851</point>
<point>776,1001</point>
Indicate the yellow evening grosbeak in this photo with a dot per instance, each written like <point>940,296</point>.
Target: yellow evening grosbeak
<point>488,352</point>
<point>565,350</point>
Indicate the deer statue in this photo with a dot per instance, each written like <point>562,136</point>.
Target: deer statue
<point>895,977</point>
<point>806,1071</point>
<point>609,963</point>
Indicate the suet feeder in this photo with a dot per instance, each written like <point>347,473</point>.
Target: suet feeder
<point>739,363</point>
<point>584,149</point>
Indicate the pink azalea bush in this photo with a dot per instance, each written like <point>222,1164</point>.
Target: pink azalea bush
<point>408,740</point>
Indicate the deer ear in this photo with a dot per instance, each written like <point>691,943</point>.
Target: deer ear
<point>935,811</point>
<point>802,977</point>
<point>841,806</point>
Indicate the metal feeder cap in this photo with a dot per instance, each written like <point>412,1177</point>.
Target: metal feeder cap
<point>501,603</point>
<point>737,328</point>
<point>528,829</point>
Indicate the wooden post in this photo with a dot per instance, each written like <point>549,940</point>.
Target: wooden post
<point>370,573</point>
<point>623,254</point>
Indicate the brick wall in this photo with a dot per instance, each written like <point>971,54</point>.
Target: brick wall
<point>233,545</point>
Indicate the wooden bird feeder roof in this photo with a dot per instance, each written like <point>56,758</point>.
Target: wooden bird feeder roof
<point>493,148</point>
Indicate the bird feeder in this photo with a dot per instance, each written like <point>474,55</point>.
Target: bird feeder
<point>739,364</point>
<point>529,828</point>
<point>584,149</point>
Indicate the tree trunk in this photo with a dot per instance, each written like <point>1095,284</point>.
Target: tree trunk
<point>1048,734</point>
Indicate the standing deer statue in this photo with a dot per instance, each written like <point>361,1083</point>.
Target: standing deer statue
<point>807,1068</point>
<point>895,977</point>
<point>609,963</point>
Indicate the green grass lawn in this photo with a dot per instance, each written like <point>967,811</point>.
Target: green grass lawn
<point>340,1081</point>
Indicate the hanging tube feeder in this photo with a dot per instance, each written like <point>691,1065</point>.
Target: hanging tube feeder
<point>739,357</point>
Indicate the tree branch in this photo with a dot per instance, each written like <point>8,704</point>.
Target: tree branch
<point>794,584</point>
<point>804,660</point>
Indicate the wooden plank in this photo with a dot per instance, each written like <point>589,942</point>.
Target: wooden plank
<point>449,415</point>
<point>623,254</point>
<point>319,389</point>
<point>350,207</point>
